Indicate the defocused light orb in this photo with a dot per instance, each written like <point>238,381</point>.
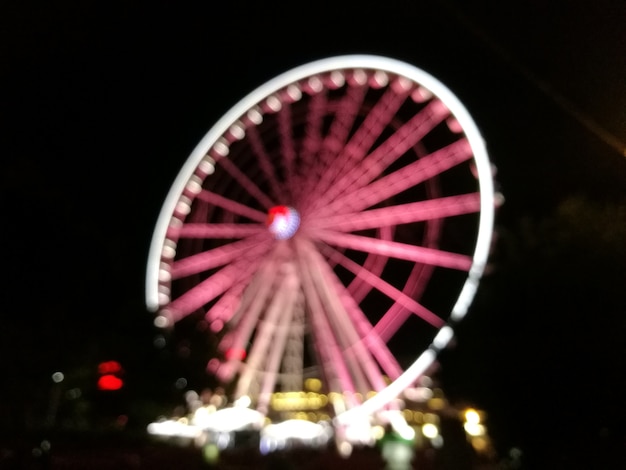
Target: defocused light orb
<point>430,430</point>
<point>58,377</point>
<point>472,416</point>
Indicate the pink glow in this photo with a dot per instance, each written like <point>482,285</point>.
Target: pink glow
<point>214,285</point>
<point>331,356</point>
<point>313,131</point>
<point>216,257</point>
<point>334,142</point>
<point>350,321</point>
<point>276,327</point>
<point>402,214</point>
<point>245,182</point>
<point>252,311</point>
<point>287,146</point>
<point>232,206</point>
<point>383,286</point>
<point>415,285</point>
<point>362,140</point>
<point>228,303</point>
<point>311,144</point>
<point>394,147</point>
<point>209,230</point>
<point>265,163</point>
<point>251,307</point>
<point>278,314</point>
<point>418,254</point>
<point>415,173</point>
<point>374,264</point>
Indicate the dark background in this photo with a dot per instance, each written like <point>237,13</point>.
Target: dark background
<point>101,104</point>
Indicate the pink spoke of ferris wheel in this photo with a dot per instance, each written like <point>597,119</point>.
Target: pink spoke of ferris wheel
<point>394,183</point>
<point>403,213</point>
<point>418,254</point>
<point>279,311</point>
<point>245,182</point>
<point>384,155</point>
<point>312,142</point>
<point>237,299</point>
<point>216,284</point>
<point>327,348</point>
<point>364,328</point>
<point>346,113</point>
<point>215,257</point>
<point>264,163</point>
<point>287,144</point>
<point>374,264</point>
<point>279,331</point>
<point>247,316</point>
<point>363,139</point>
<point>224,308</point>
<point>232,206</point>
<point>391,321</point>
<point>349,321</point>
<point>215,230</point>
<point>383,286</point>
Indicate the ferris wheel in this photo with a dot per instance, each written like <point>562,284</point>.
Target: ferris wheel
<point>334,223</point>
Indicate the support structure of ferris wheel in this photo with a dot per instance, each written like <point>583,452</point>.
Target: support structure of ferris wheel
<point>319,223</point>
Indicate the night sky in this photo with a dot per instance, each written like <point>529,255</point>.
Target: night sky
<point>101,105</point>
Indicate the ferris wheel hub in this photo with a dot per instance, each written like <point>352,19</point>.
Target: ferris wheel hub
<point>283,222</point>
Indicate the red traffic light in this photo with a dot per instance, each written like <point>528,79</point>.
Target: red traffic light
<point>110,382</point>
<point>109,367</point>
<point>110,372</point>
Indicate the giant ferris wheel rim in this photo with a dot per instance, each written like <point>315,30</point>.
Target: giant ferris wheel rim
<point>353,61</point>
<point>484,176</point>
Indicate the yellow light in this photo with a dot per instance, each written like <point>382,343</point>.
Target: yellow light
<point>474,429</point>
<point>315,385</point>
<point>334,396</point>
<point>436,403</point>
<point>480,444</point>
<point>472,416</point>
<point>315,403</point>
<point>430,430</point>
